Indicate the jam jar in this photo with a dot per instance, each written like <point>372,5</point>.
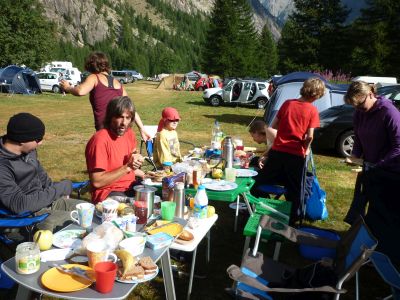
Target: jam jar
<point>27,258</point>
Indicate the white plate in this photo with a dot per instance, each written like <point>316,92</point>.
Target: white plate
<point>220,185</point>
<point>68,238</point>
<point>55,254</point>
<point>245,173</point>
<point>144,279</point>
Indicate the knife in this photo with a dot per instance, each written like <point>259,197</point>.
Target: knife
<point>74,271</point>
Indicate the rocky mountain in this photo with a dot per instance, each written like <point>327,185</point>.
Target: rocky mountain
<point>93,20</point>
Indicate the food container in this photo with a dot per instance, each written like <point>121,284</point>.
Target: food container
<point>134,244</point>
<point>159,240</point>
<point>27,258</point>
<point>146,194</point>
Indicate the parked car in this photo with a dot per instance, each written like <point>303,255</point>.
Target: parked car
<point>136,75</point>
<point>50,81</point>
<point>122,76</point>
<point>73,73</point>
<point>206,83</point>
<point>336,131</point>
<point>194,76</point>
<point>288,87</point>
<point>238,91</point>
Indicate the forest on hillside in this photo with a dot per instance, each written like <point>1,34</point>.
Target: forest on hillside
<point>314,38</point>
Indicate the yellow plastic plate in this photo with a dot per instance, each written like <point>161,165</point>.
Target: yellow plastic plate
<point>58,281</point>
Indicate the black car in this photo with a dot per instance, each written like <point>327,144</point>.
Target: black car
<point>336,131</point>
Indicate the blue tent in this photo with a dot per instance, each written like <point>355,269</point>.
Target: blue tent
<point>19,80</point>
<point>303,76</point>
<point>297,77</point>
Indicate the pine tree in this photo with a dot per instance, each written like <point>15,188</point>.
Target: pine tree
<point>231,39</point>
<point>377,40</point>
<point>267,54</point>
<point>311,36</point>
<point>26,37</point>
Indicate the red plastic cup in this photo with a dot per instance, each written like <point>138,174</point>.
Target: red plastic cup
<point>106,272</point>
<point>240,147</point>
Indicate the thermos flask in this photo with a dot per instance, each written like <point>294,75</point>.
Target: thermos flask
<point>227,152</point>
<point>179,199</point>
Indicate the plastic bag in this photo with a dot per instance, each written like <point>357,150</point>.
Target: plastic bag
<point>316,202</point>
<point>314,196</point>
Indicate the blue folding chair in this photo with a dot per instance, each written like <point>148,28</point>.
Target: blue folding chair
<point>80,186</point>
<point>388,273</point>
<point>257,272</point>
<point>25,220</point>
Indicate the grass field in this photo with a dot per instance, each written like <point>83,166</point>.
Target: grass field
<point>69,125</point>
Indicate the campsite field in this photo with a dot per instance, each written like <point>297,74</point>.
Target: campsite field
<point>69,125</point>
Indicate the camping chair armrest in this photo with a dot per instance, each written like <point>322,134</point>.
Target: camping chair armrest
<point>236,274</point>
<point>5,213</point>
<point>294,235</point>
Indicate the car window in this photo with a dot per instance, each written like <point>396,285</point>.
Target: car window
<point>52,76</point>
<point>228,87</point>
<point>395,96</point>
<point>261,86</point>
<point>247,86</point>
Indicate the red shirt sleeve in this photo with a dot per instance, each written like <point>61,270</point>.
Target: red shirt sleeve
<point>96,154</point>
<point>314,120</point>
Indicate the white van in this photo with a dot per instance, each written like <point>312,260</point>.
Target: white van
<point>72,73</point>
<point>379,81</point>
<point>61,64</point>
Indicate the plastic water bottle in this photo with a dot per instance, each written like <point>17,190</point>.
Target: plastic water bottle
<point>216,136</point>
<point>200,203</point>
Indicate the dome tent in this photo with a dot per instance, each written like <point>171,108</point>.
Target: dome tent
<point>19,80</point>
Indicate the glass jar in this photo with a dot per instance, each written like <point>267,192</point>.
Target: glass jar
<point>27,258</point>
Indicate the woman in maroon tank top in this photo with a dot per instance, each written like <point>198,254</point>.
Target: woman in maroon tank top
<point>101,88</point>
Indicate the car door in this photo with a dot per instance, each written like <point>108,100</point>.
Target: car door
<point>45,81</point>
<point>245,92</point>
<point>227,91</point>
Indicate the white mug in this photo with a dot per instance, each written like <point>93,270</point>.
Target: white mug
<point>110,210</point>
<point>83,215</point>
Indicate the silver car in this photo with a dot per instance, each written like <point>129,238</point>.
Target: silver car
<point>240,92</point>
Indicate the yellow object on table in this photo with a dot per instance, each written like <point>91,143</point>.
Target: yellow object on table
<point>172,229</point>
<point>56,280</point>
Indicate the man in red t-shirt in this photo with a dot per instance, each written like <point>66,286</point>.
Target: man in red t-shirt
<point>110,153</point>
<point>295,123</point>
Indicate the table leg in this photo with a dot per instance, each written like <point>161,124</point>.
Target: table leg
<point>277,250</point>
<point>236,214</point>
<point>23,293</point>
<point>167,274</point>
<point>246,245</point>
<point>246,201</point>
<point>191,273</point>
<point>208,245</point>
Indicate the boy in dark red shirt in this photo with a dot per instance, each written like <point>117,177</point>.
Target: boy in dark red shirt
<point>295,123</point>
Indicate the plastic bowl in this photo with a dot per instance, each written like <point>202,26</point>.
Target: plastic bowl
<point>135,244</point>
<point>317,253</point>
